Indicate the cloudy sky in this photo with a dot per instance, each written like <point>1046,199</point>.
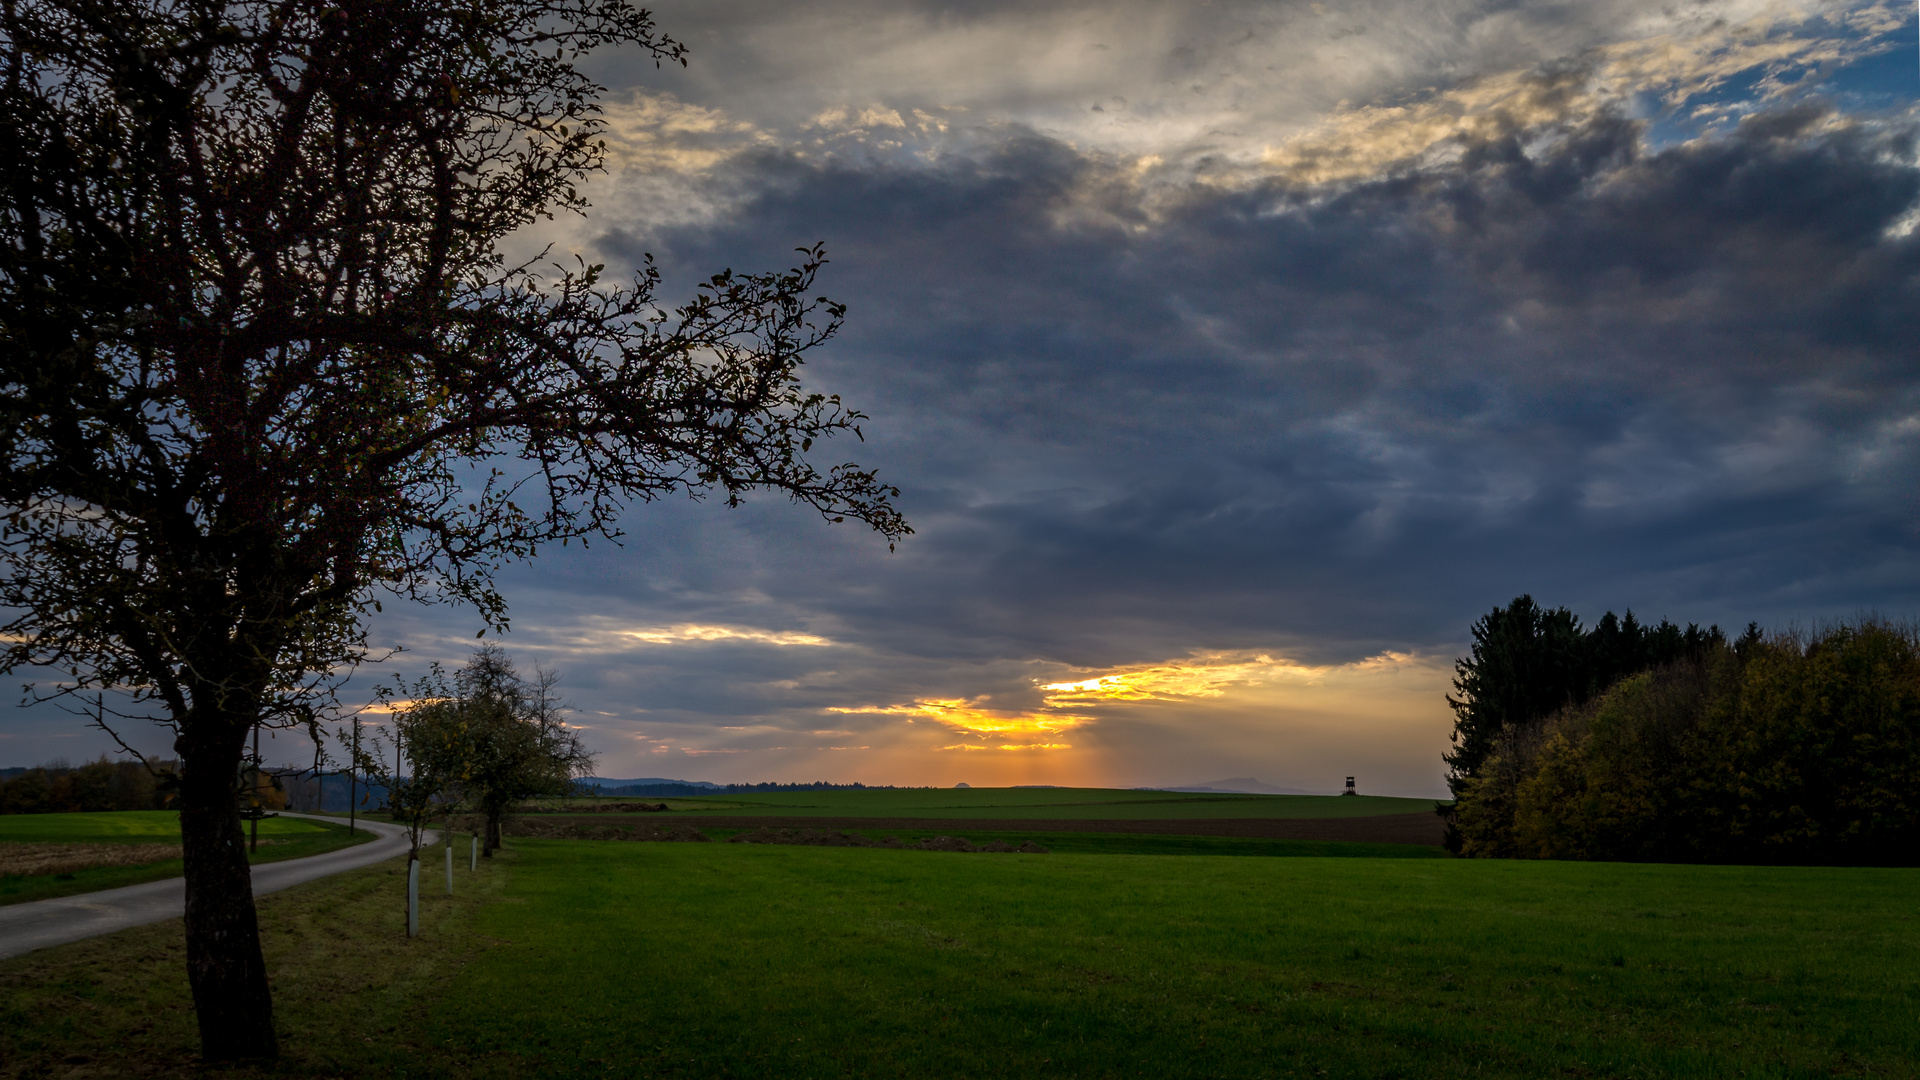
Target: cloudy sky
<point>1233,357</point>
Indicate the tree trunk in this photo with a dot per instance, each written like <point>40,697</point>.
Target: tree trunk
<point>224,966</point>
<point>492,841</point>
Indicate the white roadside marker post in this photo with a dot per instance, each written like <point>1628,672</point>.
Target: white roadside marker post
<point>413,897</point>
<point>473,856</point>
<point>449,865</point>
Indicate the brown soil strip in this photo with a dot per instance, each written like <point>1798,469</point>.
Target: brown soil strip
<point>30,859</point>
<point>607,808</point>
<point>834,838</point>
<point>548,828</point>
<point>1386,829</point>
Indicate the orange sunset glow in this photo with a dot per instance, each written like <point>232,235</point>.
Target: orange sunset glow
<point>969,718</point>
<point>1202,699</point>
<point>1207,675</point>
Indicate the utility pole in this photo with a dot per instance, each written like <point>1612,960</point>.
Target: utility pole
<point>253,843</point>
<point>353,766</point>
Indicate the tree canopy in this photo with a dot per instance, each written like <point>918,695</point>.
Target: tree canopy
<point>1528,661</point>
<point>1770,749</point>
<point>262,361</point>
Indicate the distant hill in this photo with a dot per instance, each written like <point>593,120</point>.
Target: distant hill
<point>659,786</point>
<point>610,786</point>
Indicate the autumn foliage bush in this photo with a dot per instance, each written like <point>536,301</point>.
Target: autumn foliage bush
<point>1789,749</point>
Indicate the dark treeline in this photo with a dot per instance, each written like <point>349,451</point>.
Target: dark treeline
<point>655,790</point>
<point>658,790</point>
<point>105,784</point>
<point>126,785</point>
<point>58,787</point>
<point>1659,744</point>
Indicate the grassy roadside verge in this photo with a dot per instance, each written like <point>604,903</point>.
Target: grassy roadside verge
<point>312,838</point>
<point>350,989</point>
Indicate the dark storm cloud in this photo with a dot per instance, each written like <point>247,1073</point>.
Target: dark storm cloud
<point>1680,380</point>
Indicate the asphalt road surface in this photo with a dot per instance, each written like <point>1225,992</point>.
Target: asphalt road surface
<point>44,923</point>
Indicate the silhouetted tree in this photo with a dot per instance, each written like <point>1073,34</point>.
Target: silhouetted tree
<point>1528,662</point>
<point>261,359</point>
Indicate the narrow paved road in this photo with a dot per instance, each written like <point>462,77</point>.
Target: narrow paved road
<point>43,923</point>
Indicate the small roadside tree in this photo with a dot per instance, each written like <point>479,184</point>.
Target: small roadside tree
<point>504,737</point>
<point>522,748</point>
<point>262,360</point>
<point>429,745</point>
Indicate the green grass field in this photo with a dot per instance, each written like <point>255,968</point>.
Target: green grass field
<point>1060,803</point>
<point>292,838</point>
<point>1090,843</point>
<point>791,962</point>
<point>129,826</point>
<point>583,959</point>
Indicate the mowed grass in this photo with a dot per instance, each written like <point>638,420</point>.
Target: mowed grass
<point>281,838</point>
<point>582,959</point>
<point>696,960</point>
<point>1069,803</point>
